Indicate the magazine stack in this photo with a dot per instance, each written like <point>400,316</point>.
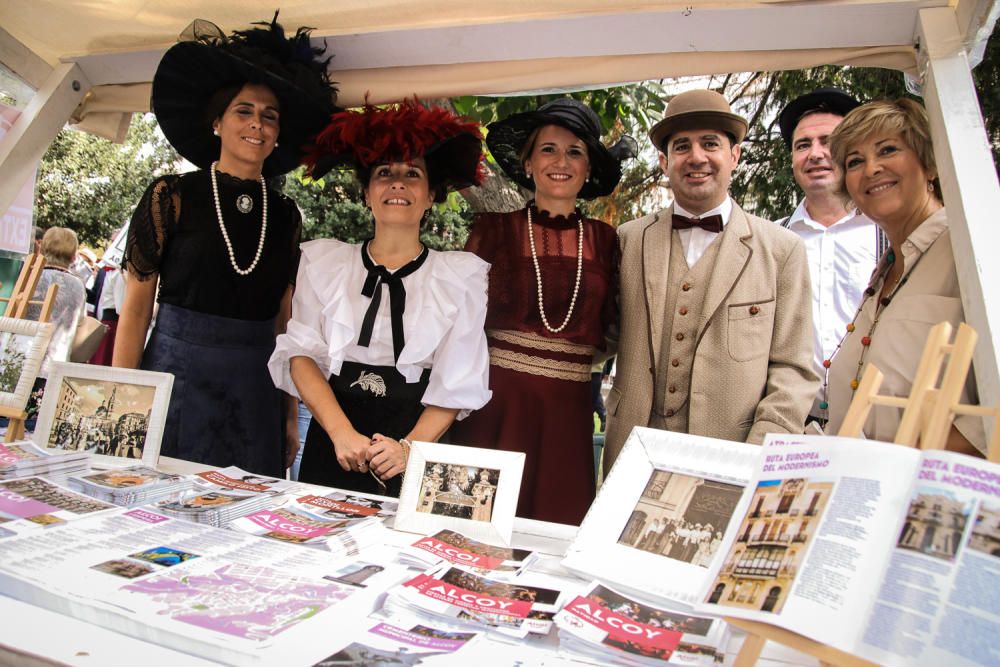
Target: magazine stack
<point>220,496</point>
<point>23,458</point>
<point>448,546</point>
<point>455,595</point>
<point>604,626</point>
<point>134,485</point>
<point>342,523</point>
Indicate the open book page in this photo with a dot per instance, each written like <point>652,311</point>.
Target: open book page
<point>938,602</point>
<point>812,536</point>
<point>663,508</point>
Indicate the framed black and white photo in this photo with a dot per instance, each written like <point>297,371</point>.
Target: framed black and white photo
<point>663,508</point>
<point>466,489</point>
<point>22,348</point>
<point>107,411</point>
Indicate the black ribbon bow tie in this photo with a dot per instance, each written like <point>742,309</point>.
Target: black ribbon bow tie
<point>710,223</point>
<point>377,276</point>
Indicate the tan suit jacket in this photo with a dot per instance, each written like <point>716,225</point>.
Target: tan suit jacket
<point>751,375</point>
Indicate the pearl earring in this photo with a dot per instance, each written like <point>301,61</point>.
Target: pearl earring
<point>275,144</point>
<point>215,131</point>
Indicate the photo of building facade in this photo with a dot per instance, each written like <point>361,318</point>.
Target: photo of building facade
<point>103,417</point>
<point>985,535</point>
<point>764,560</point>
<point>935,524</point>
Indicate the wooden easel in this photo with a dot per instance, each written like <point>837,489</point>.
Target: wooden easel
<point>17,307</point>
<point>927,416</point>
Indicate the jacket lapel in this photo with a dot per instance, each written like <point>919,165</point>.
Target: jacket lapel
<point>656,238</point>
<point>734,254</point>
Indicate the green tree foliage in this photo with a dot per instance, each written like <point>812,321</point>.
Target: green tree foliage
<point>987,78</point>
<point>91,185</point>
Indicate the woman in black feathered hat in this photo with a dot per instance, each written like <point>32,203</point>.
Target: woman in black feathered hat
<point>218,247</point>
<point>551,298</point>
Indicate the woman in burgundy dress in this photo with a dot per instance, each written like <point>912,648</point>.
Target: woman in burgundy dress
<point>551,299</point>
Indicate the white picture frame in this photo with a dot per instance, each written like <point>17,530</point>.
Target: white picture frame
<point>691,483</point>
<point>22,348</point>
<point>82,410</point>
<point>462,500</point>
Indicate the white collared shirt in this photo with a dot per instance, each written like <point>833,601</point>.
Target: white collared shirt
<point>841,260</point>
<point>696,240</point>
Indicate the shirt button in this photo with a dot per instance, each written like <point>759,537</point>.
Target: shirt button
<point>675,363</point>
<point>686,286</point>
<point>683,311</point>
<point>679,336</point>
<point>754,310</point>
<point>670,413</point>
<point>672,389</point>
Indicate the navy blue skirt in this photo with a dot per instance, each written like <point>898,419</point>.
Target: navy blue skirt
<point>224,408</point>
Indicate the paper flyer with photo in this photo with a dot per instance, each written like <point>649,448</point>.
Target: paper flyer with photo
<point>24,458</point>
<point>606,623</point>
<point>448,546</point>
<point>510,607</point>
<point>879,550</point>
<point>28,504</point>
<point>401,641</point>
<point>664,507</point>
<point>219,496</point>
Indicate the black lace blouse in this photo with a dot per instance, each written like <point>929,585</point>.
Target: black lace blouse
<point>175,232</point>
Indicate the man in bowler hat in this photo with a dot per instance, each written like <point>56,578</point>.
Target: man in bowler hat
<point>715,337</point>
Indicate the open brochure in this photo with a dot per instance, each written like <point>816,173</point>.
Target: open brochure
<point>663,508</point>
<point>880,550</point>
<point>219,594</point>
<point>605,626</point>
<point>29,504</point>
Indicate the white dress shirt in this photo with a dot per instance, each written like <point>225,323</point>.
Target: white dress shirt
<point>841,260</point>
<point>696,240</point>
<point>443,321</point>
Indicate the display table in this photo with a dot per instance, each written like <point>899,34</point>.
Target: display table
<point>35,636</point>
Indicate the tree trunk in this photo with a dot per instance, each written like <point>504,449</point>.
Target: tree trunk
<point>497,194</point>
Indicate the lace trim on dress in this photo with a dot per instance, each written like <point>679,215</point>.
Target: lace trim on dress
<point>543,366</point>
<point>525,339</point>
<point>542,217</point>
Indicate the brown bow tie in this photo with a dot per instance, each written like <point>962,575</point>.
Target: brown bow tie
<point>711,223</point>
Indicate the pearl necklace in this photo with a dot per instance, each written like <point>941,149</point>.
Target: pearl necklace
<point>538,275</point>
<point>222,225</point>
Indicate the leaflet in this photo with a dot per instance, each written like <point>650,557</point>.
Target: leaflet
<point>880,550</point>
<point>219,496</point>
<point>402,640</point>
<point>448,546</point>
<point>29,504</point>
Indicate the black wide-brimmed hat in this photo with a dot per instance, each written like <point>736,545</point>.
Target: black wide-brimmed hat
<point>206,60</point>
<point>829,100</point>
<point>507,137</point>
<point>451,145</point>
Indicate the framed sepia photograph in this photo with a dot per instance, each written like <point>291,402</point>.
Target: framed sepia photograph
<point>108,411</point>
<point>469,490</point>
<point>22,348</point>
<point>664,507</point>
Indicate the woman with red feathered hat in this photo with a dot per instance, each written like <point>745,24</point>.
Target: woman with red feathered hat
<point>218,248</point>
<point>386,343</point>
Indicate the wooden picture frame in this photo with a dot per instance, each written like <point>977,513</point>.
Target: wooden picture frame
<point>22,348</point>
<point>119,412</point>
<point>466,489</point>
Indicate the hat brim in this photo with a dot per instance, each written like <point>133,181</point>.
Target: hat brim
<point>698,120</point>
<point>505,139</point>
<point>835,101</point>
<point>191,72</point>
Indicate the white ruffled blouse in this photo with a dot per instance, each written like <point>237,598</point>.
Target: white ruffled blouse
<point>443,323</point>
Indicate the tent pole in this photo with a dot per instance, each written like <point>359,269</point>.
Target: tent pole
<point>969,181</point>
<point>38,125</point>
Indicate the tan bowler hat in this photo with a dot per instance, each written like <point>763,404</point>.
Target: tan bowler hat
<point>697,110</point>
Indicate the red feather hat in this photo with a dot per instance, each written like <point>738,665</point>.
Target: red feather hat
<point>451,145</point>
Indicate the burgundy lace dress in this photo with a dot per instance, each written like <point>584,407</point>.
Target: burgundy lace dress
<point>540,380</point>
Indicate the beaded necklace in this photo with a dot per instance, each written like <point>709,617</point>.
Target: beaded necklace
<point>538,274</point>
<point>222,225</point>
<point>866,340</point>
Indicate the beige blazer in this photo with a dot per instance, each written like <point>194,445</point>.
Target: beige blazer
<point>751,375</point>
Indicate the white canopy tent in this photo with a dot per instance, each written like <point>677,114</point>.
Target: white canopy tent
<point>91,63</point>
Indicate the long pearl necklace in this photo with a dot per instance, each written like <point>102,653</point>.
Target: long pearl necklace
<point>222,225</point>
<point>538,275</point>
